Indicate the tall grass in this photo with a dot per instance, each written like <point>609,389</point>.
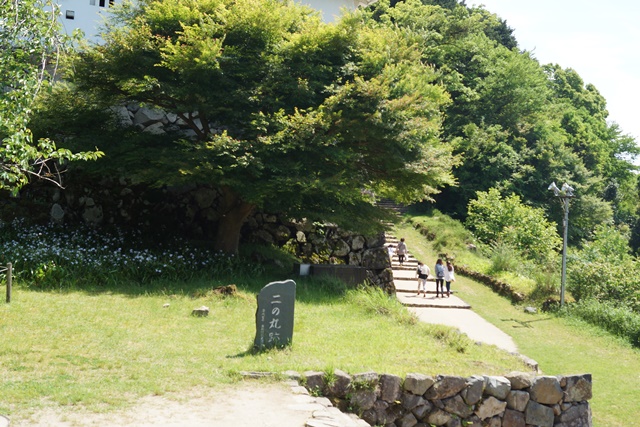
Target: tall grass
<point>619,320</point>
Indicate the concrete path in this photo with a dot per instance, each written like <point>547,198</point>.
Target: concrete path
<point>451,311</point>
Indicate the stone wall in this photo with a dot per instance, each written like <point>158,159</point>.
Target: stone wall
<point>514,400</point>
<point>323,244</point>
<point>192,211</point>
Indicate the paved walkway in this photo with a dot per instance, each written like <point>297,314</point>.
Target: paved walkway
<point>450,311</point>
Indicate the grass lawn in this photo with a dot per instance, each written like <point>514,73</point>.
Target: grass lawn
<point>559,345</point>
<point>102,350</point>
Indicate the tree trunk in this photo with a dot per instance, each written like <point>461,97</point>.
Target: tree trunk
<point>234,211</point>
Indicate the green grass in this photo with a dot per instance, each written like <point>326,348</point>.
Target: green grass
<point>560,345</point>
<point>100,351</point>
<point>102,347</point>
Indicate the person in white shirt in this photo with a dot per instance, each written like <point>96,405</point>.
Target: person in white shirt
<point>391,250</point>
<point>401,251</point>
<point>422,273</point>
<point>449,277</point>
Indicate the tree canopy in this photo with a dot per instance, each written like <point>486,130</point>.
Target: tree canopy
<point>291,115</point>
<point>30,45</point>
<point>411,100</point>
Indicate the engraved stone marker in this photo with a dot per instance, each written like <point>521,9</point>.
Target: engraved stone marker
<point>274,317</point>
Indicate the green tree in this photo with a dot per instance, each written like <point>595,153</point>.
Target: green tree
<point>30,46</point>
<point>494,218</point>
<point>291,115</point>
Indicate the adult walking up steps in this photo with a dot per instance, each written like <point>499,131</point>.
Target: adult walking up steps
<point>450,311</point>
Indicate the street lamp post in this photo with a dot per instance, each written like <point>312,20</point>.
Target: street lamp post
<point>565,194</point>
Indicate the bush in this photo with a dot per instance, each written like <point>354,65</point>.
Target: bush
<point>503,258</point>
<point>493,218</point>
<point>620,321</point>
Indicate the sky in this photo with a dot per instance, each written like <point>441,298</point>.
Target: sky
<point>598,39</point>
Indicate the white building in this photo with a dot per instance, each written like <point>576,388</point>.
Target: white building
<point>87,15</point>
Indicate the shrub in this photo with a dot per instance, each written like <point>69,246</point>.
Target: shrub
<point>493,218</point>
<point>503,258</point>
<point>620,321</point>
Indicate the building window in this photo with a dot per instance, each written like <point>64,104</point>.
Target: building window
<point>111,3</point>
<point>101,3</point>
<point>92,2</point>
<point>70,14</point>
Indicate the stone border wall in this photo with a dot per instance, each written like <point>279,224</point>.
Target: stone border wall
<point>514,400</point>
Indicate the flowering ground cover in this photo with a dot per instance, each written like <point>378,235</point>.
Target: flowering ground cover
<point>46,256</point>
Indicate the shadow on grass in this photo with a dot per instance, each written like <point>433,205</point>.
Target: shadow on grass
<point>524,323</point>
<point>312,290</point>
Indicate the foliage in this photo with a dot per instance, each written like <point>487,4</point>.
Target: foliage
<point>50,257</point>
<point>30,46</point>
<point>620,321</point>
<point>507,220</point>
<point>504,257</point>
<point>604,270</point>
<point>516,124</point>
<point>291,115</point>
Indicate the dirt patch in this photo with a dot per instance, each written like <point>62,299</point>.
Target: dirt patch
<point>248,404</point>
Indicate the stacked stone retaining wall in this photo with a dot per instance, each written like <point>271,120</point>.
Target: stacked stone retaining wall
<point>193,212</point>
<point>514,400</point>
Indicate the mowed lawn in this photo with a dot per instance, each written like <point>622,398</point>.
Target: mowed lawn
<point>103,350</point>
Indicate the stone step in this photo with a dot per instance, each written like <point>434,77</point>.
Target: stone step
<point>431,301</point>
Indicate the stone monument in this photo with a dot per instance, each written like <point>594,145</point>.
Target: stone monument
<point>274,316</point>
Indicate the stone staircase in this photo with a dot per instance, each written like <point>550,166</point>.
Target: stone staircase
<point>404,279</point>
<point>391,205</point>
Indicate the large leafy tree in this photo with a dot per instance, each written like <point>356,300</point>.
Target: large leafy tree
<point>517,125</point>
<point>30,45</point>
<point>291,115</point>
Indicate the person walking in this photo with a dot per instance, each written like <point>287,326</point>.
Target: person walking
<point>439,278</point>
<point>401,251</point>
<point>449,277</point>
<point>422,273</point>
<point>392,250</point>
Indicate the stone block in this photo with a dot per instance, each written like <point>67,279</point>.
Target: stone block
<point>519,380</point>
<point>579,415</point>
<point>457,406</point>
<point>475,387</point>
<point>340,385</point>
<point>513,419</point>
<point>363,399</point>
<point>517,400</point>
<point>445,386</point>
<point>390,387</point>
<point>497,387</point>
<point>546,390</point>
<point>490,407</point>
<point>418,383</point>
<point>438,417</point>
<point>578,388</point>
<point>315,381</point>
<point>410,400</point>
<point>538,415</point>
